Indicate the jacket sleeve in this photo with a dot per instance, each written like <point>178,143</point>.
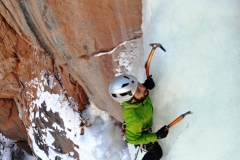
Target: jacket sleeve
<point>134,134</point>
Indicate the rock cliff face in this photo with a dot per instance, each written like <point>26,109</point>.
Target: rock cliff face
<point>59,40</point>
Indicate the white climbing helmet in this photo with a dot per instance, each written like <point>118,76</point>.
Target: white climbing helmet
<point>123,87</point>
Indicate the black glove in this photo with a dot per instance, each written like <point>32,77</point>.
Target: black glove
<point>161,133</point>
<point>149,83</point>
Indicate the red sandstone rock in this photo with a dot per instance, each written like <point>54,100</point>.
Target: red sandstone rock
<point>11,125</point>
<point>61,38</point>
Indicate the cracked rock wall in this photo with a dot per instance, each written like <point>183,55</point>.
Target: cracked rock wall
<point>72,32</point>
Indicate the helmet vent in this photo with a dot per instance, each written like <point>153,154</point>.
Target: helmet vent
<point>126,93</point>
<point>126,77</point>
<point>114,95</point>
<point>125,85</point>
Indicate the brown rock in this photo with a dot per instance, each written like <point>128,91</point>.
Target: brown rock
<point>24,146</point>
<point>59,40</point>
<point>9,86</point>
<point>12,126</point>
<point>5,108</point>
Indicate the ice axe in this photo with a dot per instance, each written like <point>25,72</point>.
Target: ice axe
<point>147,64</point>
<point>175,121</point>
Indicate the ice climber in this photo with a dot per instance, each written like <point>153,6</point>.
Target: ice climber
<point>137,111</point>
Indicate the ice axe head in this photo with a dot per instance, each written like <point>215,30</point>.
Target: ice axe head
<point>155,45</point>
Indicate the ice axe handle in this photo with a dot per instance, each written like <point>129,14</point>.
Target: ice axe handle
<point>175,121</point>
<point>147,64</point>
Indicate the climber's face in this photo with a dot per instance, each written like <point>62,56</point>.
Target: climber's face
<point>141,93</point>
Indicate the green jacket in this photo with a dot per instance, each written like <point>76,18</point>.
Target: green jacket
<point>138,118</point>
